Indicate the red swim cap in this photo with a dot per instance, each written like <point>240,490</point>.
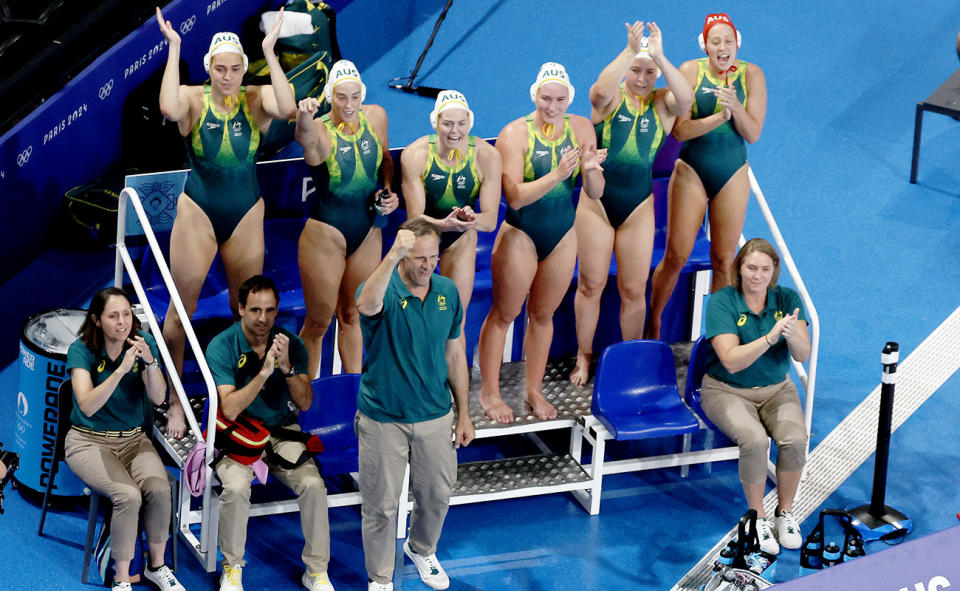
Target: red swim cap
<point>717,19</point>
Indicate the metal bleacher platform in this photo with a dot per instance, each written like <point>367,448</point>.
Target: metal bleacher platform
<point>525,458</point>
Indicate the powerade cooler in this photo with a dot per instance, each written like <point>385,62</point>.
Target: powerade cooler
<point>44,342</point>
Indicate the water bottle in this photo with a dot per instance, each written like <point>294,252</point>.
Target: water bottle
<point>380,217</point>
<point>831,555</point>
<point>853,550</point>
<point>725,559</point>
<point>811,554</point>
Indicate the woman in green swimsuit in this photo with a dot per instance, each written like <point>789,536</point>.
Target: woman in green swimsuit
<point>349,155</point>
<point>445,176</point>
<point>730,105</point>
<point>536,248</point>
<point>220,207</point>
<point>631,117</point>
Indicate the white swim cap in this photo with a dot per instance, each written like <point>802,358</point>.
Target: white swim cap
<point>644,52</point>
<point>343,71</point>
<point>449,99</point>
<point>551,72</point>
<point>224,43</point>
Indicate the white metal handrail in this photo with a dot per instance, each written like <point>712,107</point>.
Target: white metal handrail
<point>807,378</point>
<point>124,261</point>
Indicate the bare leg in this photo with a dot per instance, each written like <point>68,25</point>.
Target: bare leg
<point>513,265</point>
<point>595,238</point>
<point>242,253</point>
<point>634,248</point>
<point>192,248</point>
<point>549,286</point>
<point>727,211</point>
<point>320,254</point>
<point>459,263</point>
<point>360,265</point>
<point>687,203</point>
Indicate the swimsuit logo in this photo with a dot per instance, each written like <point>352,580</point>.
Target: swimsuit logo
<point>623,118</point>
<point>213,125</point>
<point>344,149</point>
<point>365,146</point>
<point>403,303</point>
<point>644,123</point>
<point>778,315</point>
<point>436,177</point>
<point>237,129</point>
<point>564,149</point>
<point>742,320</point>
<point>102,366</point>
<point>242,361</point>
<point>540,153</point>
<point>461,182</point>
<point>441,302</point>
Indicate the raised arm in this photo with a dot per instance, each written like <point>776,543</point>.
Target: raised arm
<point>605,92</point>
<point>679,94</point>
<point>276,100</point>
<point>312,134</point>
<point>174,101</point>
<point>370,298</point>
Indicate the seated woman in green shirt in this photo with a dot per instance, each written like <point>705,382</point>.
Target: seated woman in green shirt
<point>754,327</point>
<point>117,381</point>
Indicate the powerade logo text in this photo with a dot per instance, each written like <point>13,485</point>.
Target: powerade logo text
<point>56,373</point>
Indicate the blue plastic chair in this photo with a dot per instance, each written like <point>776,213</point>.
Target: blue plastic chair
<point>330,417</point>
<point>635,392</point>
<point>695,373</point>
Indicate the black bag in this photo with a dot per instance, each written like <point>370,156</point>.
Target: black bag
<point>88,217</point>
<point>306,60</point>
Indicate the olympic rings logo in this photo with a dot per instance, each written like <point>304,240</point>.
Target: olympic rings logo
<point>187,25</point>
<point>22,157</point>
<point>106,89</point>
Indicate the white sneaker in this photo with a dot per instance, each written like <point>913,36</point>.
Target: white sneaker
<point>788,531</point>
<point>375,586</point>
<point>768,543</point>
<point>121,586</point>
<point>431,573</point>
<point>230,580</point>
<point>163,579</point>
<point>316,581</point>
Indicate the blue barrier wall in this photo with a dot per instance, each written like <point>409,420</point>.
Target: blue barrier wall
<point>74,137</point>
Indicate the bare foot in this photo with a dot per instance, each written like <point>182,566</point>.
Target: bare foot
<point>496,408</point>
<point>581,370</point>
<point>540,407</point>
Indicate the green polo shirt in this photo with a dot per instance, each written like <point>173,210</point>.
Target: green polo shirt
<point>727,313</point>
<point>128,405</point>
<point>234,363</point>
<point>405,371</point>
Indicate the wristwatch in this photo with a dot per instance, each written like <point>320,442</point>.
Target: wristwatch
<point>292,372</point>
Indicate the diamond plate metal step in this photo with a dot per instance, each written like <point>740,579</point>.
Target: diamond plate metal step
<point>525,475</point>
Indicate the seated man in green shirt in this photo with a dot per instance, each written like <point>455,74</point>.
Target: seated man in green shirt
<point>410,319</point>
<point>261,371</point>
